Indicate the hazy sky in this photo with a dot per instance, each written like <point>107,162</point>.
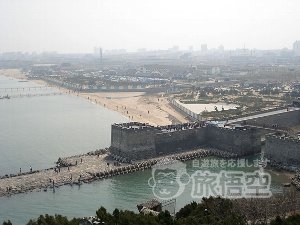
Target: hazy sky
<point>79,25</point>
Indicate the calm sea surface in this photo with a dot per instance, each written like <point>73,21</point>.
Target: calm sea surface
<point>35,131</point>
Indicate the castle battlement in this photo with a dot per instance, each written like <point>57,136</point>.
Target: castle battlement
<point>283,137</point>
<point>133,125</point>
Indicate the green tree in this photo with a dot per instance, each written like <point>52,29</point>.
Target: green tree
<point>213,211</point>
<point>116,215</point>
<point>7,222</point>
<point>165,218</point>
<point>103,215</point>
<point>277,221</point>
<point>186,210</point>
<point>291,220</point>
<point>53,220</point>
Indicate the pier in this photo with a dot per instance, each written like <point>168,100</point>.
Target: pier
<point>24,88</point>
<point>28,92</point>
<point>87,168</point>
<point>32,95</point>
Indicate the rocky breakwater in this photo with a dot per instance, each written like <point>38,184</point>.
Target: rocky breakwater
<point>89,167</point>
<point>72,171</point>
<point>296,181</point>
<point>281,166</point>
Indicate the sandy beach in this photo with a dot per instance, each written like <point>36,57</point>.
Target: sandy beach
<point>13,73</point>
<point>137,106</point>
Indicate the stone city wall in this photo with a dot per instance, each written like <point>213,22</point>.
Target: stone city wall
<point>139,142</point>
<point>176,141</point>
<point>285,119</point>
<point>133,142</point>
<point>284,150</point>
<point>241,142</point>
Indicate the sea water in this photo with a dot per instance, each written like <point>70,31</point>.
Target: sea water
<point>35,131</point>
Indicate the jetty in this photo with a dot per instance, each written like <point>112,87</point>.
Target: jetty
<point>86,168</point>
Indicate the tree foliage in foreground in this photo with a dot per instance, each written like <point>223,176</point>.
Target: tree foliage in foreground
<point>53,220</point>
<point>213,211</point>
<point>291,220</point>
<point>217,211</point>
<point>7,222</point>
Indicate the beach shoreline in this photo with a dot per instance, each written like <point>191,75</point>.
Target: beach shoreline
<point>153,109</point>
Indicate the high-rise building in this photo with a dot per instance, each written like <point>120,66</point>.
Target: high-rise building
<point>296,48</point>
<point>98,54</point>
<point>221,48</point>
<point>101,56</point>
<point>204,47</point>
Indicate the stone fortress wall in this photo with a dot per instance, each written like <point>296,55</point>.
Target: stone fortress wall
<point>175,141</point>
<point>245,141</point>
<point>284,119</point>
<point>283,149</point>
<point>133,140</point>
<point>280,148</point>
<point>139,141</point>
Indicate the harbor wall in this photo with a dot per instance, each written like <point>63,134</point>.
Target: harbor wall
<point>284,150</point>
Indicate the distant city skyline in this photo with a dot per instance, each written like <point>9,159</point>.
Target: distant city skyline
<point>77,26</point>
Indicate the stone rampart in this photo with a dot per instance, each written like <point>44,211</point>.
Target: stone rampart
<point>137,141</point>
<point>176,141</point>
<point>283,150</point>
<point>132,140</point>
<point>284,119</point>
<point>239,141</point>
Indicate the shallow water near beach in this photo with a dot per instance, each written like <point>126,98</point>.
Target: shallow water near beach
<point>35,131</point>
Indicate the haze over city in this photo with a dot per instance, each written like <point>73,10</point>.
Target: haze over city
<point>171,112</point>
<point>75,26</point>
